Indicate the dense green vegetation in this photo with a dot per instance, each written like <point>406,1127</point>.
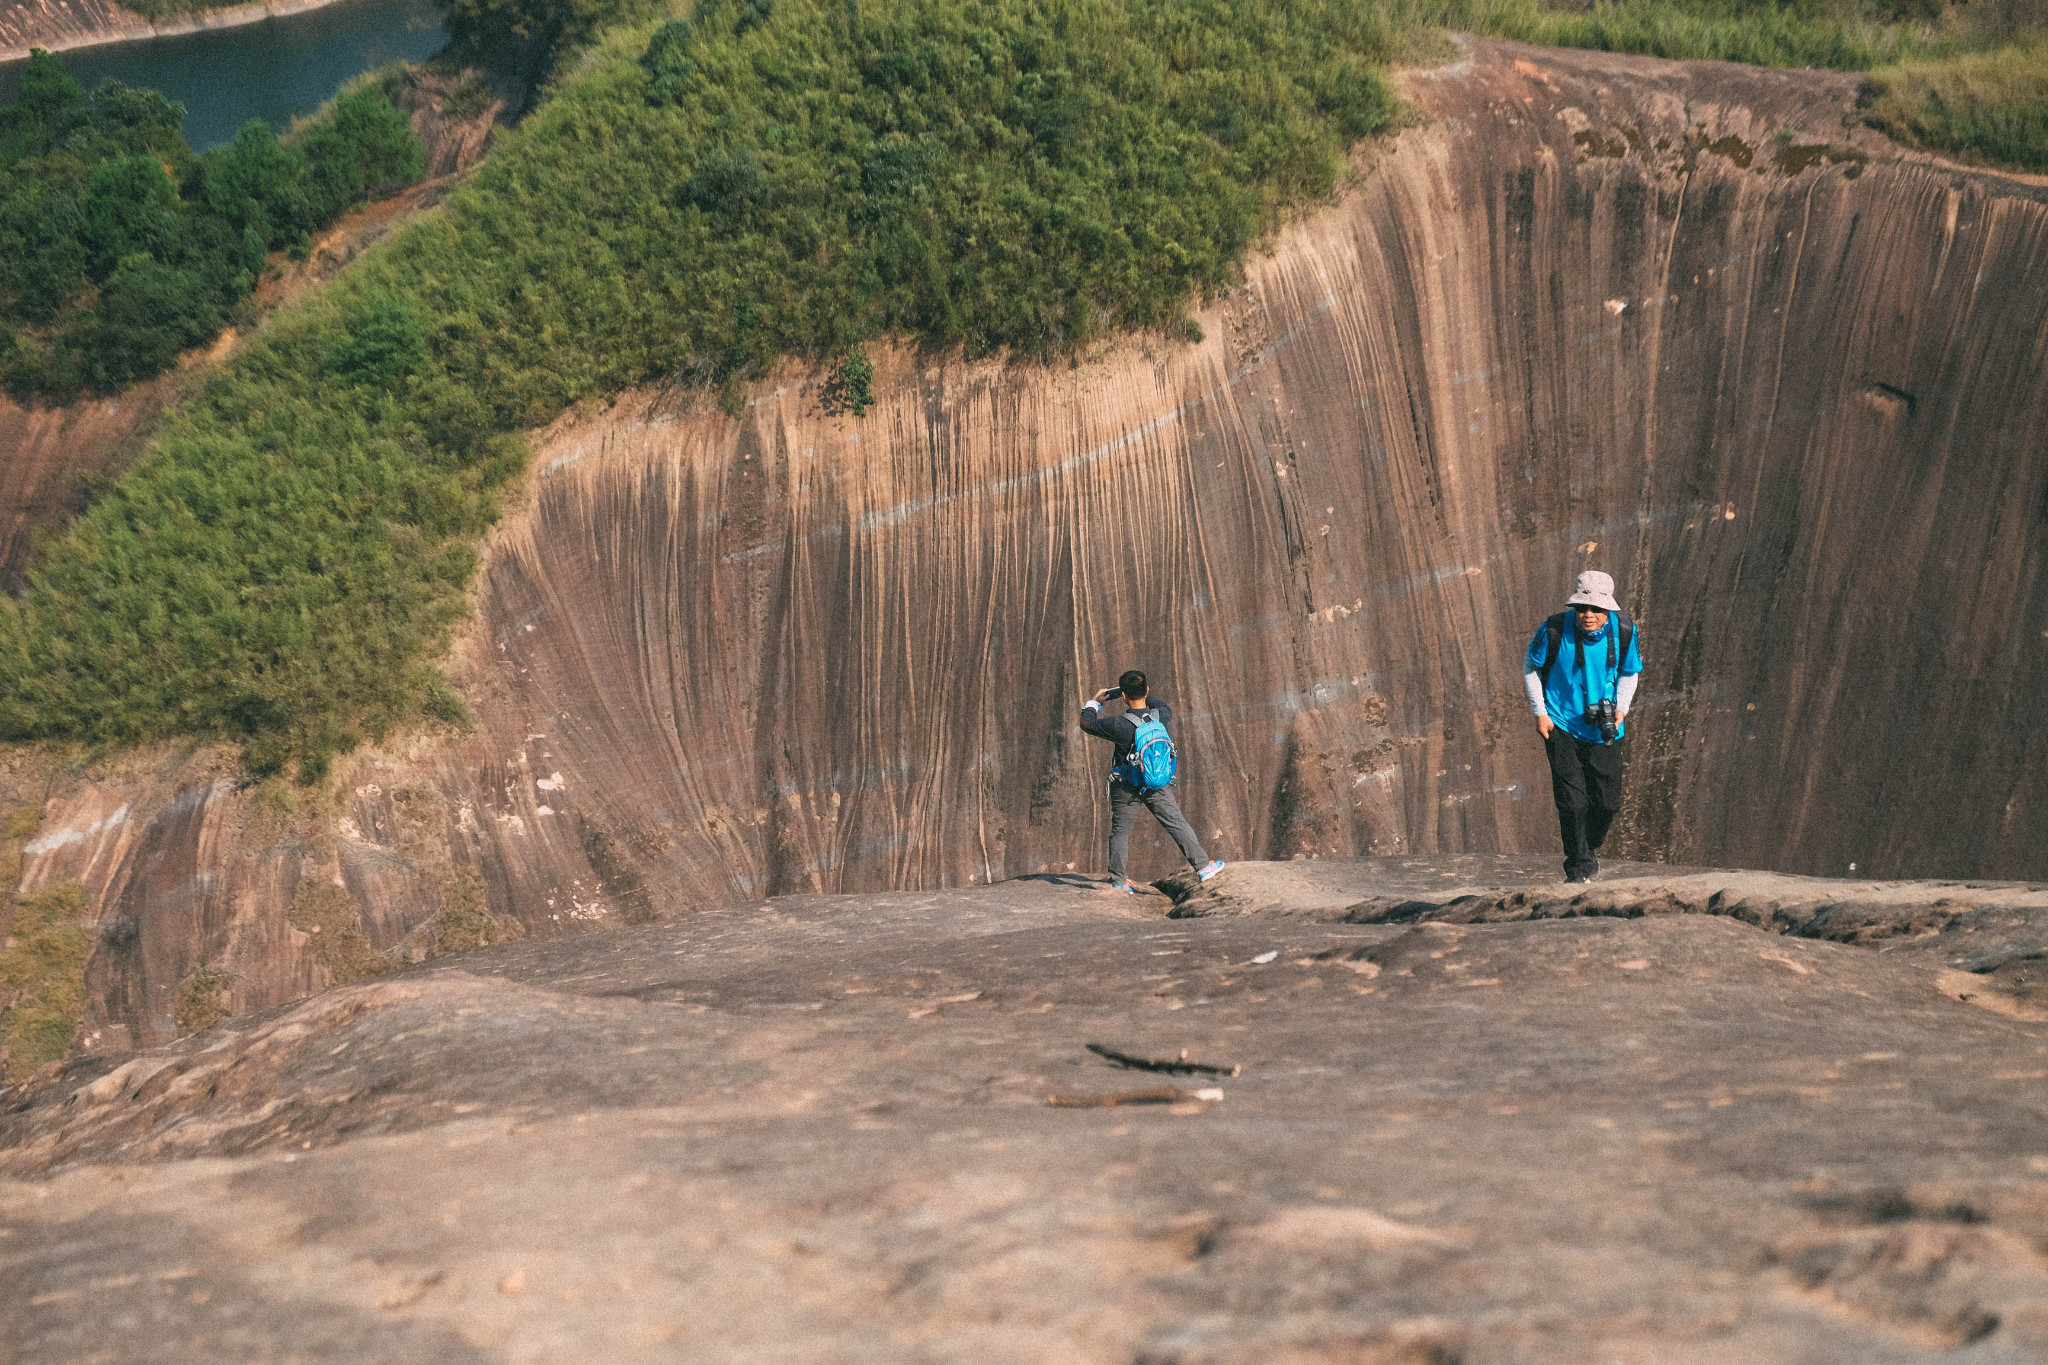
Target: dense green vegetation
<point>695,200</point>
<point>1848,35</point>
<point>488,29</point>
<point>119,247</point>
<point>1992,105</point>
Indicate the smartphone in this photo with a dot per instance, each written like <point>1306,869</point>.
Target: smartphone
<point>1112,694</point>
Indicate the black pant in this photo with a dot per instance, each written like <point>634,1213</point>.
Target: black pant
<point>1586,780</point>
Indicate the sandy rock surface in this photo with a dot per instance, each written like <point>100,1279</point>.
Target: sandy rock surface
<point>819,1129</point>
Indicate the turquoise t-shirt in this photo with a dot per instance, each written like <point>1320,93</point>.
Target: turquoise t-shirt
<point>1573,688</point>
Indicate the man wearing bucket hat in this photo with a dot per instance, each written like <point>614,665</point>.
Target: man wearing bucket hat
<point>1582,668</point>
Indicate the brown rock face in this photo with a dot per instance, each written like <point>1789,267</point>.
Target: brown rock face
<point>1593,311</point>
<point>50,455</point>
<point>819,1130</point>
<point>1598,311</point>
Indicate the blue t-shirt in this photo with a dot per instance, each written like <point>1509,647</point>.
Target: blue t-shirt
<point>1571,690</point>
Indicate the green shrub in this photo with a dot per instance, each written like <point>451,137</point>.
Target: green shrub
<point>282,562</point>
<point>148,312</point>
<point>359,147</point>
<point>668,63</point>
<point>382,343</point>
<point>119,247</point>
<point>852,385</point>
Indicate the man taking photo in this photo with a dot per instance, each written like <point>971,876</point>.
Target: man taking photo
<point>1582,669</point>
<point>1143,775</point>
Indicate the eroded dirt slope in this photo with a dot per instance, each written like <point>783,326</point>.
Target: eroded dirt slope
<point>819,1129</point>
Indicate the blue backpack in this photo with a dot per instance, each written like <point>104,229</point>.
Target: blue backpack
<point>1151,766</point>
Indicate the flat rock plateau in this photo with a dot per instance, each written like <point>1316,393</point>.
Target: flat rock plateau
<point>1429,1110</point>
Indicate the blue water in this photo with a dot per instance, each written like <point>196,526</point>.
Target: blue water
<point>277,70</point>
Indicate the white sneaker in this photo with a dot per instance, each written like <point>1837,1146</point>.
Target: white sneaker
<point>1211,870</point>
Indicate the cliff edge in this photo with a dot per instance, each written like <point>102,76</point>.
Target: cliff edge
<point>1685,322</point>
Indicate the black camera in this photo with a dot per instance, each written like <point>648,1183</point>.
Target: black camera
<point>1112,694</point>
<point>1602,716</point>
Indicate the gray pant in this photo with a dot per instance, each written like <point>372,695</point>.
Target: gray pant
<point>1124,801</point>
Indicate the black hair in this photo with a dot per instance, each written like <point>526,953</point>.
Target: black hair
<point>1133,684</point>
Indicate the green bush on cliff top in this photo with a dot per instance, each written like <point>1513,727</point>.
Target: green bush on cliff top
<point>693,201</point>
<point>1992,105</point>
<point>1970,79</point>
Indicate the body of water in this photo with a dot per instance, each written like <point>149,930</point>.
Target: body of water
<point>276,70</point>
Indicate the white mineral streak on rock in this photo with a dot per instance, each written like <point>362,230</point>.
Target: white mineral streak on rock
<point>69,835</point>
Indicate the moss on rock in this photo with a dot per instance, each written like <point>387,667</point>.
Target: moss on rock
<point>42,978</point>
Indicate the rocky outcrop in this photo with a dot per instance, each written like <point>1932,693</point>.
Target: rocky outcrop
<point>1034,1122</point>
<point>1682,322</point>
<point>61,25</point>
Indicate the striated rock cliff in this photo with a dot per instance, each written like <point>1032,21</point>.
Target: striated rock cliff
<point>1596,311</point>
<point>1677,321</point>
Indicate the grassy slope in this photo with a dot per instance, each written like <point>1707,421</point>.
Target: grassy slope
<point>1971,81</point>
<point>1986,105</point>
<point>992,173</point>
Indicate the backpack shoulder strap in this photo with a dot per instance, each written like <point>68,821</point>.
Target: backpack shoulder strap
<point>1628,637</point>
<point>1555,625</point>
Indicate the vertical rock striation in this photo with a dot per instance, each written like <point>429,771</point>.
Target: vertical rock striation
<point>1676,321</point>
<point>1683,322</point>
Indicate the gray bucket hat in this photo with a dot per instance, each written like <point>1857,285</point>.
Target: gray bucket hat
<point>1594,589</point>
